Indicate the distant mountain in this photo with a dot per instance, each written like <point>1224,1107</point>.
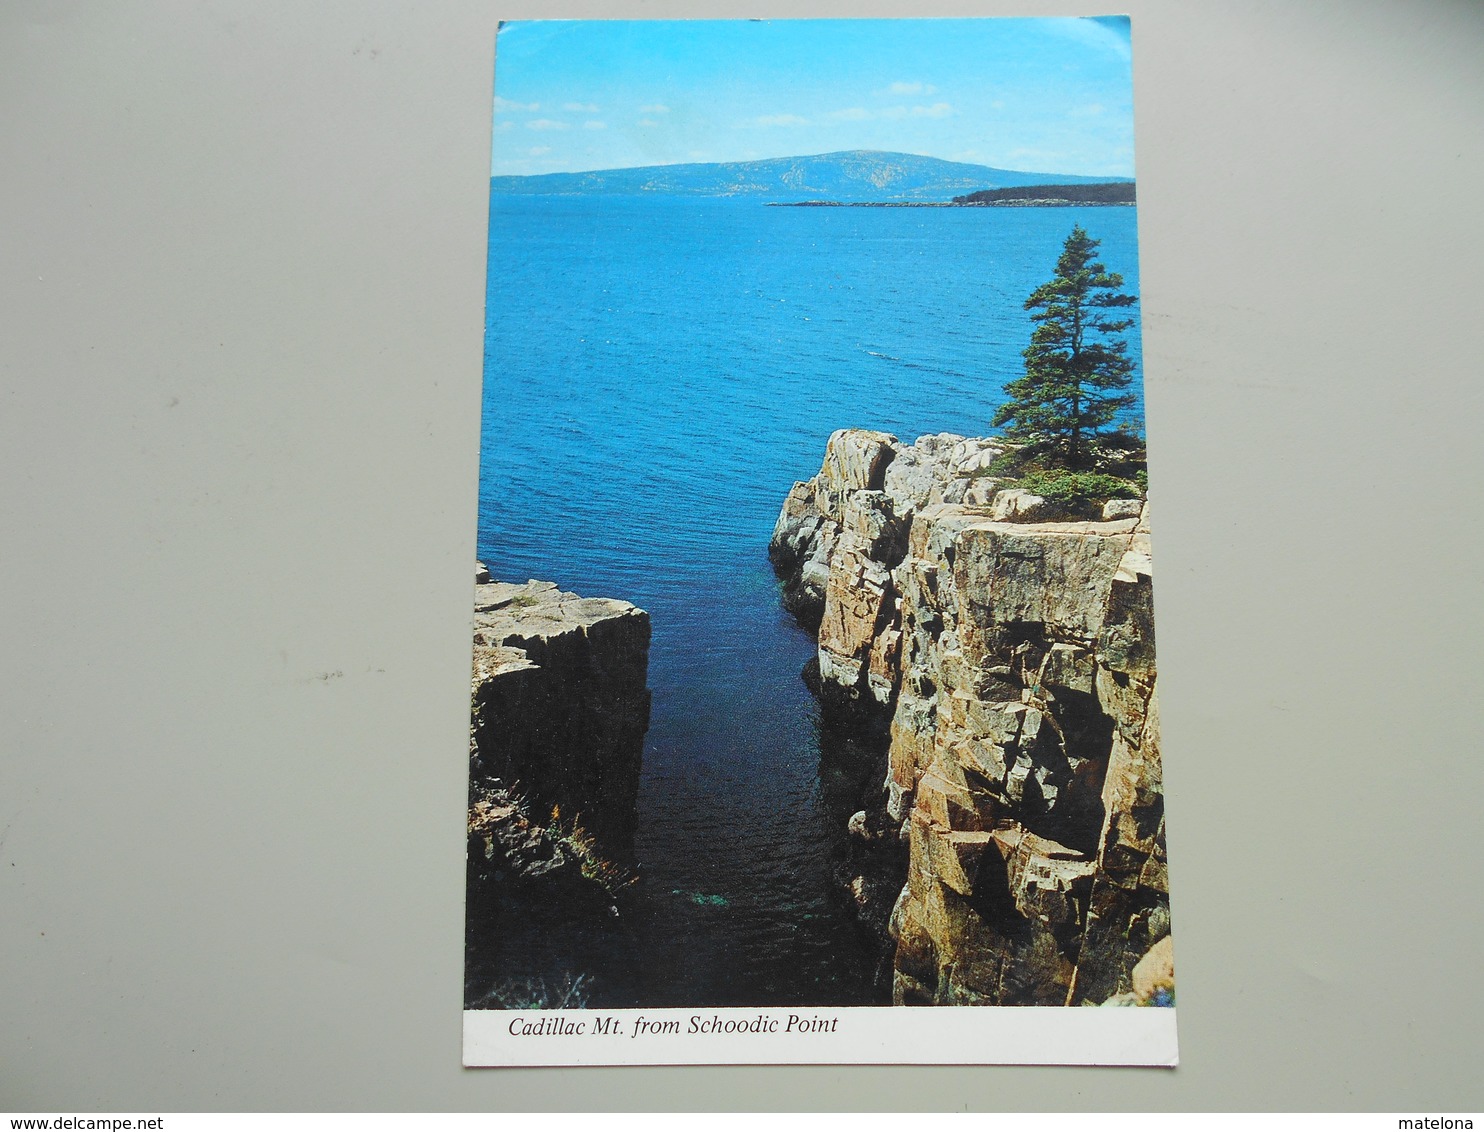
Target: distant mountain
<point>854,175</point>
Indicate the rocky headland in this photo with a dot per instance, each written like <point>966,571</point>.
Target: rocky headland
<point>560,706</point>
<point>560,702</point>
<point>998,662</point>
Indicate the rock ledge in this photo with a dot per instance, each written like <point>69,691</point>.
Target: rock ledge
<point>560,705</point>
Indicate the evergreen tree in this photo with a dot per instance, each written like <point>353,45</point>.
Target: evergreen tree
<point>1077,368</point>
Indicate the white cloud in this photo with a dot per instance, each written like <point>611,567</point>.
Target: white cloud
<point>581,107</point>
<point>595,125</point>
<point>780,120</point>
<point>538,150</point>
<point>506,104</point>
<point>936,110</point>
<point>910,88</point>
<point>657,108</point>
<point>852,114</point>
<point>648,122</point>
<point>546,124</point>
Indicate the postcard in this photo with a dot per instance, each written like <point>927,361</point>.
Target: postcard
<point>813,646</point>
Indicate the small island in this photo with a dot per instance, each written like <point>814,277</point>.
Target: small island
<point>1022,196</point>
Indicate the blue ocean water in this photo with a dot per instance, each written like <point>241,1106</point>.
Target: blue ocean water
<point>658,372</point>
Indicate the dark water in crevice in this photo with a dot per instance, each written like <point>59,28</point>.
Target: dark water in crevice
<point>658,373</point>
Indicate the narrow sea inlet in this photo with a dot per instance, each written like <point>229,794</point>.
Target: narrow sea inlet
<point>659,371</point>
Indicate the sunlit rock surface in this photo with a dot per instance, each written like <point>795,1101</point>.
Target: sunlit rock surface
<point>1009,660</point>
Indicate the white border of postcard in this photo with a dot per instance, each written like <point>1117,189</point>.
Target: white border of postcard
<point>860,1035</point>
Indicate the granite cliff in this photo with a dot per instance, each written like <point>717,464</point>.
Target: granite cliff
<point>560,703</point>
<point>559,712</point>
<point>1003,660</point>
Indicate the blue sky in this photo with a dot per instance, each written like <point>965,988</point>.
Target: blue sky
<point>1048,95</point>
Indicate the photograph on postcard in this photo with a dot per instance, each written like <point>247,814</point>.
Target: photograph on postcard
<point>814,670</point>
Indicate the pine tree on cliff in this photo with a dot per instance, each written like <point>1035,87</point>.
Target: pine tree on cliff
<point>1077,368</point>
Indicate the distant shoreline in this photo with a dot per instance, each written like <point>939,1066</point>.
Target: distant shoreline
<point>1040,203</point>
<point>850,176</point>
<point>1016,196</point>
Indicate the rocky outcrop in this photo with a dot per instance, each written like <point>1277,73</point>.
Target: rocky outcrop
<point>1009,659</point>
<point>560,703</point>
<point>842,534</point>
<point>559,712</point>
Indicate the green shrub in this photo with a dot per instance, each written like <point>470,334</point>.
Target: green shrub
<point>1078,489</point>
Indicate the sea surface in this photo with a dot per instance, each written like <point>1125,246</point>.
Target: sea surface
<point>658,373</point>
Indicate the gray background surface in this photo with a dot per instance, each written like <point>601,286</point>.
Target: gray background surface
<point>241,316</point>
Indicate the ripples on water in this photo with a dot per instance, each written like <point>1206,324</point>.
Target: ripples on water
<point>658,373</point>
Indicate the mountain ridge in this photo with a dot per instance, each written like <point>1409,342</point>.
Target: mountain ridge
<point>845,175</point>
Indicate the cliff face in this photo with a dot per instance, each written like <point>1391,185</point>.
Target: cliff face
<point>1014,660</point>
<point>559,713</point>
<point>560,705</point>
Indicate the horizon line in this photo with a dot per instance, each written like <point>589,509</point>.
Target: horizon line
<point>804,156</point>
